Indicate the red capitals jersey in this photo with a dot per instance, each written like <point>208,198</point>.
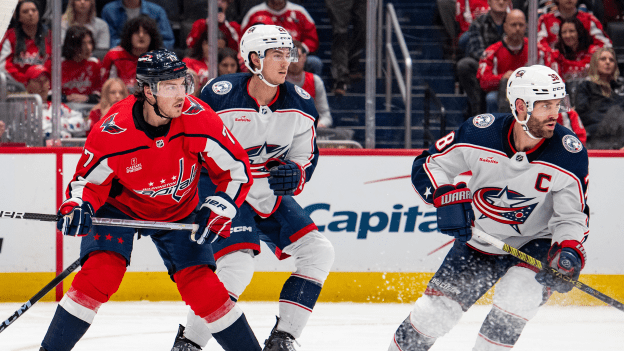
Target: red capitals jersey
<point>81,77</point>
<point>498,59</point>
<point>119,63</point>
<point>308,84</point>
<point>294,18</point>
<point>231,31</point>
<point>156,178</point>
<point>548,26</point>
<point>17,66</point>
<point>570,69</point>
<point>199,67</point>
<point>467,10</point>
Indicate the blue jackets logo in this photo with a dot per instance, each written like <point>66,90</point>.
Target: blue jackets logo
<point>503,206</point>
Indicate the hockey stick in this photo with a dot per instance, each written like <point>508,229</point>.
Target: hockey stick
<point>51,285</point>
<point>542,266</point>
<point>111,222</point>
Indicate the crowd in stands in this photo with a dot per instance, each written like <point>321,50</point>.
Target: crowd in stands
<point>489,42</point>
<point>103,40</point>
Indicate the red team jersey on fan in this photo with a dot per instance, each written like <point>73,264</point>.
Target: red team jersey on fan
<point>199,67</point>
<point>17,66</point>
<point>548,26</point>
<point>468,10</point>
<point>81,77</point>
<point>498,59</point>
<point>118,62</point>
<point>294,18</point>
<point>570,69</point>
<point>156,179</point>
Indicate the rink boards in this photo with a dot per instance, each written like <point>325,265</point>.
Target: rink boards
<point>386,241</point>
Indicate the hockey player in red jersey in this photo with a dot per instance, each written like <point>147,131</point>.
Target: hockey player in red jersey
<point>274,122</point>
<point>528,188</point>
<point>142,161</point>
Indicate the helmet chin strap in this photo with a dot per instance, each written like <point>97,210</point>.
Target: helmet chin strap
<point>524,125</point>
<point>156,109</point>
<point>258,72</point>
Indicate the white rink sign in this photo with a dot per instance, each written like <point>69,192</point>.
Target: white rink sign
<point>364,203</point>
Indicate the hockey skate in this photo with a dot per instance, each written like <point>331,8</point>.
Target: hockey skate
<point>183,344</point>
<point>279,340</point>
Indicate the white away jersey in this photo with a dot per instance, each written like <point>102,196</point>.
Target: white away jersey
<point>284,129</point>
<point>517,196</point>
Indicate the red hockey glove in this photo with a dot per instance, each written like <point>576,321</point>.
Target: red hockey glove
<point>569,259</point>
<point>74,217</point>
<point>455,214</point>
<point>215,218</point>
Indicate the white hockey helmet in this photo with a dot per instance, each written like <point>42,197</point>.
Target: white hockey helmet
<point>535,83</point>
<point>260,38</point>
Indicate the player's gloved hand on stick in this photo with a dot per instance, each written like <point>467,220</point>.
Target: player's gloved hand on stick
<point>286,177</point>
<point>568,258</point>
<point>215,218</point>
<point>455,214</point>
<point>74,217</point>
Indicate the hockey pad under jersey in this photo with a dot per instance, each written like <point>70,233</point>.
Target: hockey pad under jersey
<point>155,178</point>
<point>517,196</point>
<point>284,129</point>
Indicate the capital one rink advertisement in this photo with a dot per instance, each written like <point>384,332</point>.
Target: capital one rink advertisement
<point>385,237</point>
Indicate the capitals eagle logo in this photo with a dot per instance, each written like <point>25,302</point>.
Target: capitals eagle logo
<point>195,107</point>
<point>503,206</point>
<point>109,126</point>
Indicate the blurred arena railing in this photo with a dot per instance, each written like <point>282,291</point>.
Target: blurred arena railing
<point>21,115</point>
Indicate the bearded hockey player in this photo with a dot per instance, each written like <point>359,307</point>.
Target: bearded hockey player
<point>528,189</point>
<point>275,123</point>
<point>142,161</point>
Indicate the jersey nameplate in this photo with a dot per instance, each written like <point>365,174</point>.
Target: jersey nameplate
<point>304,94</point>
<point>572,144</point>
<point>222,88</point>
<point>483,121</point>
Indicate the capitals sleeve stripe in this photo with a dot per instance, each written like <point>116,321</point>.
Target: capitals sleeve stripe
<point>225,159</point>
<point>106,157</point>
<point>571,175</point>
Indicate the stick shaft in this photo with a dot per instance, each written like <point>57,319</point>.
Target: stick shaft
<point>538,264</point>
<point>111,222</point>
<point>59,278</point>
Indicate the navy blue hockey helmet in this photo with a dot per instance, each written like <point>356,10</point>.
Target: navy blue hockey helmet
<point>160,65</point>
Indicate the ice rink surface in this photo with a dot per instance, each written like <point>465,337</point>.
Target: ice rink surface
<point>139,326</point>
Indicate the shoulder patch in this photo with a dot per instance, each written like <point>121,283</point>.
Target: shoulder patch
<point>194,108</point>
<point>110,127</point>
<point>221,88</point>
<point>572,144</point>
<point>304,94</point>
<point>483,121</point>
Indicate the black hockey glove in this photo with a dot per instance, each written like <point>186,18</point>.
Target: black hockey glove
<point>215,218</point>
<point>74,217</point>
<point>286,177</point>
<point>455,214</point>
<point>568,258</point>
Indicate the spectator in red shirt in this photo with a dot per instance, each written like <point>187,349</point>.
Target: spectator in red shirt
<point>468,10</point>
<point>197,61</point>
<point>80,72</point>
<point>295,19</point>
<point>139,36</point>
<point>572,52</point>
<point>548,25</point>
<point>113,91</point>
<point>230,29</point>
<point>28,43</point>
<point>502,58</point>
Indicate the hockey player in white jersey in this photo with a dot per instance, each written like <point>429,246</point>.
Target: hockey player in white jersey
<point>274,121</point>
<point>528,188</point>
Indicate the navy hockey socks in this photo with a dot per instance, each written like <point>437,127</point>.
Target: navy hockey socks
<point>64,332</point>
<point>406,338</point>
<point>238,337</point>
<point>297,300</point>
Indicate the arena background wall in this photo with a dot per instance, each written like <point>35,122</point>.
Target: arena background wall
<point>386,241</point>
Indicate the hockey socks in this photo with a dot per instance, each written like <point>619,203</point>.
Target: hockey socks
<point>237,337</point>
<point>407,338</point>
<point>297,300</point>
<point>64,331</point>
<point>499,331</point>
